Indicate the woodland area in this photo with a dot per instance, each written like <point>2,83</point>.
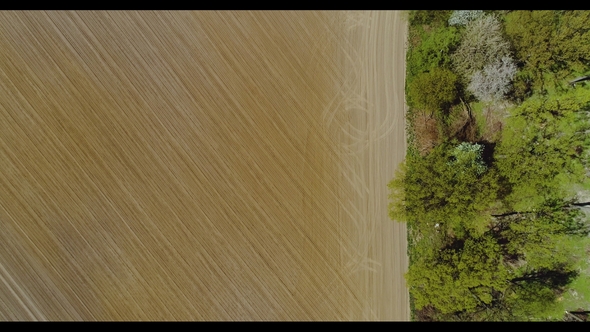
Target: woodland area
<point>495,186</point>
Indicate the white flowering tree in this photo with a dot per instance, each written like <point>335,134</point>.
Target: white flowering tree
<point>462,17</point>
<point>482,44</point>
<point>493,82</point>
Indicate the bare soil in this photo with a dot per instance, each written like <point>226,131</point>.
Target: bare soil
<point>201,165</point>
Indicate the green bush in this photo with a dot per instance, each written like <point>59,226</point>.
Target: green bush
<point>434,51</point>
<point>431,17</point>
<point>433,91</point>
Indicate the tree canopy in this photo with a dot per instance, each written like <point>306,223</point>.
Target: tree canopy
<point>491,186</point>
<point>493,82</point>
<point>441,188</point>
<point>482,44</point>
<point>433,91</point>
<point>550,42</point>
<point>459,280</point>
<point>541,148</point>
<point>433,51</point>
<point>462,17</point>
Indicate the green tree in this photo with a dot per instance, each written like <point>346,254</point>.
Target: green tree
<point>431,17</point>
<point>542,240</point>
<point>542,151</point>
<point>530,31</point>
<point>459,279</point>
<point>511,272</point>
<point>550,44</point>
<point>531,301</point>
<point>546,238</point>
<point>439,188</point>
<point>397,194</point>
<point>433,91</point>
<point>434,51</point>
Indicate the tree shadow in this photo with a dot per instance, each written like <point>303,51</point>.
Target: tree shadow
<point>488,151</point>
<point>556,278</point>
<point>469,131</point>
<point>454,244</point>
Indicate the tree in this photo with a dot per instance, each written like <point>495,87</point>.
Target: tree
<point>459,280</point>
<point>515,271</point>
<point>542,150</point>
<point>543,240</point>
<point>555,216</point>
<point>530,32</point>
<point>531,301</point>
<point>462,17</point>
<point>397,194</point>
<point>574,35</point>
<point>482,44</point>
<point>492,83</point>
<point>550,44</point>
<point>439,188</point>
<point>546,238</point>
<point>500,237</point>
<point>434,51</point>
<point>431,17</point>
<point>433,91</point>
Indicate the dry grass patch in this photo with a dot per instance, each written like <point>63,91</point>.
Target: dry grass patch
<point>426,131</point>
<point>494,122</point>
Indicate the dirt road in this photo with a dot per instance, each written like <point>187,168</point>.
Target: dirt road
<point>374,136</point>
<point>200,165</point>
